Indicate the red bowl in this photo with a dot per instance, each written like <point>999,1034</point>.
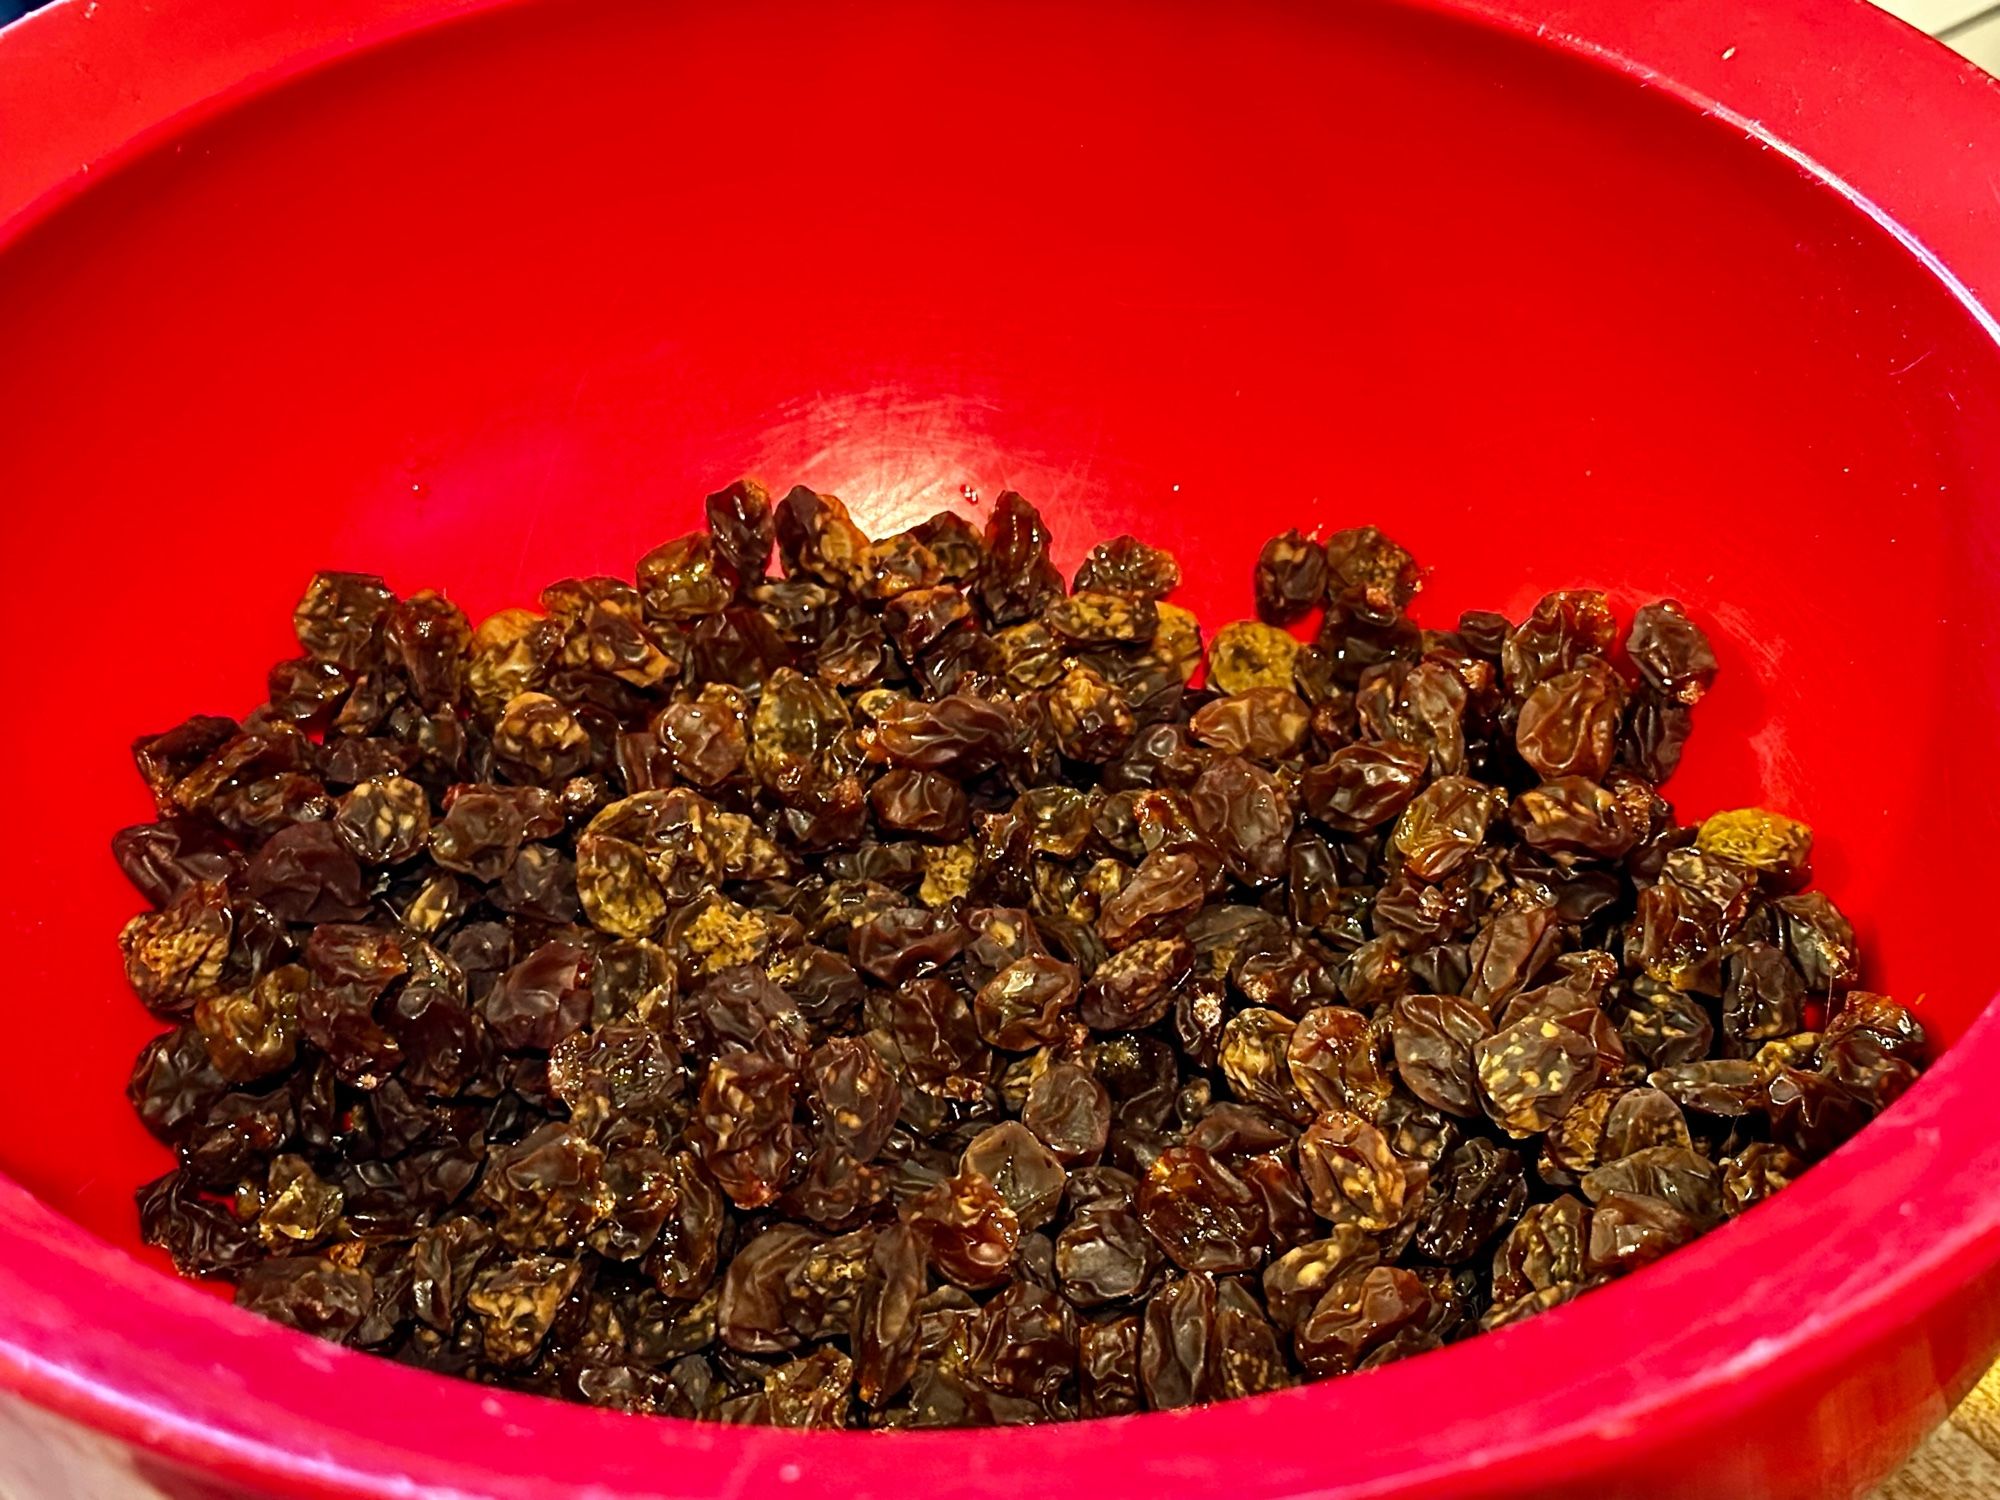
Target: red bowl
<point>1668,298</point>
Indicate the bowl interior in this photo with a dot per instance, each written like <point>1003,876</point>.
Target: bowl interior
<point>498,304</point>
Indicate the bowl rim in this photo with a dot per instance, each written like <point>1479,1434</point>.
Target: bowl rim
<point>1840,90</point>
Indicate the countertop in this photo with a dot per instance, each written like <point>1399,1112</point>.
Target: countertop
<point>1961,1461</point>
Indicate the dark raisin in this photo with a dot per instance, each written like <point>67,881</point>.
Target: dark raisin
<point>1291,578</point>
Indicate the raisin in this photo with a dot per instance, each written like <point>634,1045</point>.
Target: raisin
<point>432,639</point>
<point>1359,1314</point>
<point>1335,1056</point>
<point>1435,1038</point>
<point>1360,787</point>
<point>1069,1110</point>
<point>1561,630</point>
<point>1249,655</point>
<point>1105,1254</point>
<point>1018,580</point>
<point>1177,1336</point>
<point>1368,576</point>
<point>1443,828</point>
<point>1134,987</point>
<point>968,1228</point>
<point>179,956</point>
<point>921,802</point>
<point>1264,724</point>
<point>1352,1173</point>
<point>1027,1174</point>
<point>1094,617</point>
<point>1204,1216</point>
<point>1294,1282</point>
<point>1027,1003</point>
<point>1247,815</point>
<point>1476,1193</point>
<point>1092,720</point>
<point>1291,578</point>
<point>1254,1055</point>
<point>384,820</point>
<point>742,1125</point>
<point>539,740</point>
<point>889,993</point>
<point>1671,652</point>
<point>1125,565</point>
<point>1763,841</point>
<point>1568,725</point>
<point>255,1032</point>
<point>960,734</point>
<point>342,618</point>
<point>741,522</point>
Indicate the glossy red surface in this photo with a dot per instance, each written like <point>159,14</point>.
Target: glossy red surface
<point>1602,293</point>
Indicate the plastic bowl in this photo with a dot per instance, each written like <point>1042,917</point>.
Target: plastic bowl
<point>1665,298</point>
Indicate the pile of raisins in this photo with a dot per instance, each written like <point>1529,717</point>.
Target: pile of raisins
<point>889,992</point>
